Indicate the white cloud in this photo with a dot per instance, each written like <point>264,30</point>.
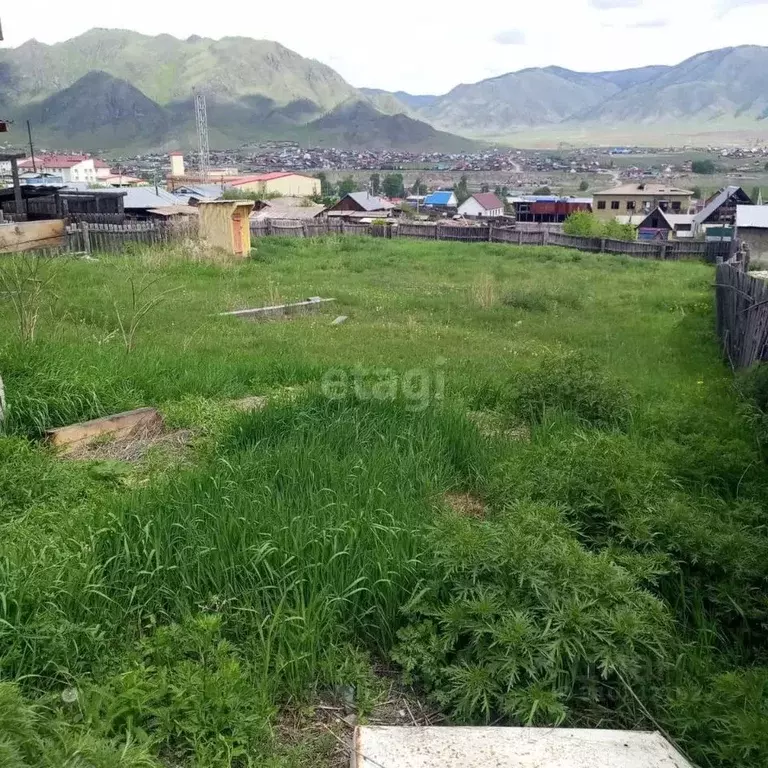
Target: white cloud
<point>510,37</point>
<point>729,5</point>
<point>431,53</point>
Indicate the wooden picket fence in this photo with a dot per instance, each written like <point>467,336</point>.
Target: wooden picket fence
<point>667,250</point>
<point>85,237</point>
<point>741,303</point>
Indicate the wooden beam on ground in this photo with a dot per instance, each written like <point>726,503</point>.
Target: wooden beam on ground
<point>118,425</point>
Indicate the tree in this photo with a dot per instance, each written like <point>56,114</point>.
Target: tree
<point>697,193</point>
<point>703,167</point>
<point>346,185</point>
<point>542,191</point>
<point>584,186</point>
<point>461,190</point>
<point>765,167</point>
<point>393,185</point>
<point>755,196</point>
<point>504,193</point>
<point>326,188</point>
<point>375,183</point>
<point>419,187</point>
<point>582,224</point>
<point>485,188</point>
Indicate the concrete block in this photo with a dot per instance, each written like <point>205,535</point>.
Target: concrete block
<point>438,747</point>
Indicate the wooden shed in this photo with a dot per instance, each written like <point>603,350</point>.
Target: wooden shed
<point>225,224</point>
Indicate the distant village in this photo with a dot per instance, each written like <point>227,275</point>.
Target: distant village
<point>288,182</point>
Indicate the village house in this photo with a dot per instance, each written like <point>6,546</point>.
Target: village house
<point>718,217</point>
<point>547,209</point>
<point>443,199</point>
<point>484,205</point>
<point>640,199</point>
<point>661,225</point>
<point>69,167</point>
<point>285,183</point>
<point>361,205</point>
<point>752,229</point>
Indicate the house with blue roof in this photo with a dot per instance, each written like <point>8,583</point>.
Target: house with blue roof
<point>442,199</point>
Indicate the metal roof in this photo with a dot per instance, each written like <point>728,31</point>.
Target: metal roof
<point>488,201</point>
<point>439,198</point>
<point>752,216</point>
<point>148,197</point>
<point>641,189</point>
<point>369,202</point>
<point>722,197</point>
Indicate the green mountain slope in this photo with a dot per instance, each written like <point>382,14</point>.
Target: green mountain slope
<point>720,86</point>
<point>516,100</point>
<point>358,125</point>
<point>99,111</point>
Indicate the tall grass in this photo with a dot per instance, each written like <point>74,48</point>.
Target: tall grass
<point>164,614</point>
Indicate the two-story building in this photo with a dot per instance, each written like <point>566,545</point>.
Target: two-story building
<point>639,199</point>
<point>71,168</point>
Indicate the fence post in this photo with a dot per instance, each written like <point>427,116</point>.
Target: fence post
<point>490,233</point>
<point>437,234</point>
<point>304,229</point>
<point>545,236</point>
<point>268,227</point>
<point>602,245</point>
<point>86,236</point>
<point>519,236</point>
<point>341,229</point>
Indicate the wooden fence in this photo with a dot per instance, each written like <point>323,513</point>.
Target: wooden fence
<point>517,236</point>
<point>86,237</point>
<point>741,303</point>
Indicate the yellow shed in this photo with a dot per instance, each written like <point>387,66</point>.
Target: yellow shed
<point>226,224</point>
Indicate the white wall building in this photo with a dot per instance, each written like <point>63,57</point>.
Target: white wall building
<point>71,168</point>
<point>484,205</point>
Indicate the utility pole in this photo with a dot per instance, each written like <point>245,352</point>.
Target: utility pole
<point>31,147</point>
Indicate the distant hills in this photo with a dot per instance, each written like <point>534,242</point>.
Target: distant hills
<point>116,89</point>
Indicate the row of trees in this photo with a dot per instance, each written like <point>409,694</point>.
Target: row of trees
<point>585,224</point>
<point>390,185</point>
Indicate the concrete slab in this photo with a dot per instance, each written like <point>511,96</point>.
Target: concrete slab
<point>280,310</point>
<point>438,747</point>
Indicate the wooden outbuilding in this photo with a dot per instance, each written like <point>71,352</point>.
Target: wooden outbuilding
<point>225,224</point>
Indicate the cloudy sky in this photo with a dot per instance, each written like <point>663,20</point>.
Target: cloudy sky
<point>428,47</point>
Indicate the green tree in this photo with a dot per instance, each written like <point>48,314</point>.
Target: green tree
<point>542,191</point>
<point>485,188</point>
<point>327,189</point>
<point>461,190</point>
<point>393,186</point>
<point>419,187</point>
<point>504,193</point>
<point>697,193</point>
<point>346,185</point>
<point>755,194</point>
<point>583,224</point>
<point>703,167</point>
<point>615,231</point>
<point>375,183</point>
<point>584,186</point>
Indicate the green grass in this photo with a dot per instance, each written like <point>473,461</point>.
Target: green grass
<point>171,612</point>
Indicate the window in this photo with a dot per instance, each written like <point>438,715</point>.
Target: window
<point>601,205</point>
<point>676,207</point>
<point>630,205</point>
<point>615,205</point>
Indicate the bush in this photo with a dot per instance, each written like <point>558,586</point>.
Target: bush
<point>706,167</point>
<point>586,224</point>
<point>538,644</point>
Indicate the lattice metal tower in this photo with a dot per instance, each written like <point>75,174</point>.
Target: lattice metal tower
<point>202,135</point>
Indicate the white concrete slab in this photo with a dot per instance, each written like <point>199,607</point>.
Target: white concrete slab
<point>436,747</point>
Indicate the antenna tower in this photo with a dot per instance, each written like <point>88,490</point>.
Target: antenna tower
<point>202,136</point>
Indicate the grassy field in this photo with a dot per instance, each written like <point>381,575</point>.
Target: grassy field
<point>519,480</point>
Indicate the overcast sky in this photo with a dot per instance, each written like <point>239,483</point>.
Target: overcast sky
<point>427,47</point>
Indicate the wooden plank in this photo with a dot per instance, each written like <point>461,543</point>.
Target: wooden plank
<point>118,425</point>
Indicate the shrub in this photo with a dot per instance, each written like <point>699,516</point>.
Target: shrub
<point>538,644</point>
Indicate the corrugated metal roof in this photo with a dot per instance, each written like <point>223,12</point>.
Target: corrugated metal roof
<point>719,199</point>
<point>488,201</point>
<point>645,189</point>
<point>439,198</point>
<point>748,216</point>
<point>369,202</point>
<point>147,197</point>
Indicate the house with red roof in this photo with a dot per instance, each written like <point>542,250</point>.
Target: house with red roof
<point>70,168</point>
<point>483,205</point>
<point>285,183</point>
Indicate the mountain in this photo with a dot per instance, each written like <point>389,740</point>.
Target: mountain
<point>99,110</point>
<point>625,78</point>
<point>517,100</point>
<point>398,102</point>
<point>718,86</point>
<point>356,124</point>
